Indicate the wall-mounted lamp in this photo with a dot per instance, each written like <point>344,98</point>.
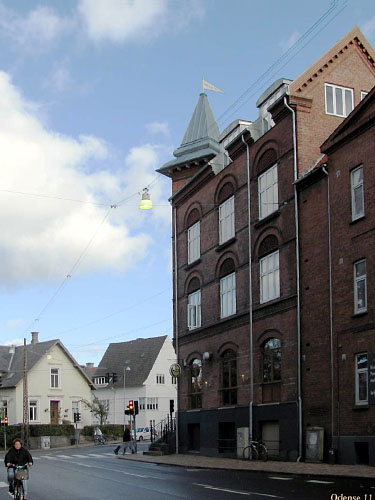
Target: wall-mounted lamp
<point>46,410</point>
<point>206,356</point>
<point>146,203</point>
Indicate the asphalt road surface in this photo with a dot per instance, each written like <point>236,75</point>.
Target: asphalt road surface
<point>95,473</point>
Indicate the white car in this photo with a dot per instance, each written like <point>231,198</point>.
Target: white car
<point>144,433</point>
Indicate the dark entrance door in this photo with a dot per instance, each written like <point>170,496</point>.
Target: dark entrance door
<point>54,412</point>
<point>194,436</point>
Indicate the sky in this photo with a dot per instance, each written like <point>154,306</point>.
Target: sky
<point>95,95</point>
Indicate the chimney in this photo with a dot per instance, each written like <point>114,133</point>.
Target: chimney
<point>89,365</point>
<point>34,337</point>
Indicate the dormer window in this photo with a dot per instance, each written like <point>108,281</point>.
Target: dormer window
<point>339,100</point>
<point>99,381</point>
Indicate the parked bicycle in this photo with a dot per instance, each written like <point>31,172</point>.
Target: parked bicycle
<point>256,450</point>
<point>21,474</point>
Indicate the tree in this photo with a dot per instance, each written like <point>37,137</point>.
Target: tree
<point>100,409</point>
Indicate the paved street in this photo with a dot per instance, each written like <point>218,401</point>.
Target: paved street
<point>96,473</point>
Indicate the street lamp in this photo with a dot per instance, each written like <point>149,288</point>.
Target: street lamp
<point>146,203</point>
<point>126,369</point>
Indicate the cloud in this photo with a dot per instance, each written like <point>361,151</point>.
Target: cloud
<point>120,21</point>
<point>15,342</point>
<point>158,128</point>
<point>36,30</point>
<point>286,43</point>
<point>60,78</point>
<point>42,238</point>
<point>14,323</point>
<point>368,29</point>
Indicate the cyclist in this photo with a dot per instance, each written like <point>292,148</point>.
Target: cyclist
<point>17,455</point>
<point>98,436</point>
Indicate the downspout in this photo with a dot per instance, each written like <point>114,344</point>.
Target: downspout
<point>298,280</point>
<point>330,298</point>
<point>250,294</point>
<point>176,315</point>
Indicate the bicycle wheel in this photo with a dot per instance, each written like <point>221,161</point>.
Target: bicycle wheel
<point>17,490</point>
<point>263,454</point>
<point>254,455</point>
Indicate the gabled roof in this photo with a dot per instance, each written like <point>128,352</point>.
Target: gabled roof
<point>139,355</point>
<point>355,38</point>
<point>361,116</point>
<point>12,365</point>
<point>201,139</point>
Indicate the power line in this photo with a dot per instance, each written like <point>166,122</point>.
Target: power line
<point>53,197</point>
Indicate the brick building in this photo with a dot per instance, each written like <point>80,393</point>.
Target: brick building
<point>241,332</point>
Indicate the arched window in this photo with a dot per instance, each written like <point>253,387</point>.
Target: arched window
<point>229,377</point>
<point>226,213</point>
<point>227,288</point>
<point>195,396</point>
<point>269,269</point>
<point>271,370</point>
<point>194,304</point>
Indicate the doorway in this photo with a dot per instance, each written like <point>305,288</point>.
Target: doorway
<point>194,437</point>
<point>271,438</point>
<point>54,412</point>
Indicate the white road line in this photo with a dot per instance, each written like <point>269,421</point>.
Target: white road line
<point>79,456</point>
<point>319,482</point>
<point>49,458</point>
<point>246,493</point>
<point>63,456</point>
<point>281,478</point>
<point>94,455</point>
<point>3,485</point>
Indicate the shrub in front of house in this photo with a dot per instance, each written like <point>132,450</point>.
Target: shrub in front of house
<point>110,431</point>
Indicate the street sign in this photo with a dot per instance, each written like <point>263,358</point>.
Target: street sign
<point>175,370</point>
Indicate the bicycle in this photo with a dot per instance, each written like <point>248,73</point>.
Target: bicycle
<point>257,451</point>
<point>21,473</point>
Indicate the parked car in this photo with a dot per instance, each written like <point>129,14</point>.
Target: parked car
<point>145,433</point>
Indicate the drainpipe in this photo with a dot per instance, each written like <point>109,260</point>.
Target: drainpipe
<point>250,294</point>
<point>298,280</point>
<point>176,315</point>
<point>330,299</point>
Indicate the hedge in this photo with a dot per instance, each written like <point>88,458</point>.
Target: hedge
<point>13,431</point>
<point>109,430</point>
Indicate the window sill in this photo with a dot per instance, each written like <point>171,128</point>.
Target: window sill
<point>361,407</point>
<point>359,314</point>
<point>269,217</point>
<point>225,244</point>
<point>192,264</point>
<point>358,219</point>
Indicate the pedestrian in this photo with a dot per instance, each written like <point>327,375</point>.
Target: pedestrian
<point>126,442</point>
<point>17,455</point>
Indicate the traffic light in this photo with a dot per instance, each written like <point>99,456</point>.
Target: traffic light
<point>77,417</point>
<point>114,378</point>
<point>107,378</point>
<point>171,405</point>
<point>6,421</point>
<point>136,408</point>
<point>1,379</point>
<point>131,407</point>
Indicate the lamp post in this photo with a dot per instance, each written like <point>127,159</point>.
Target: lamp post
<point>126,369</point>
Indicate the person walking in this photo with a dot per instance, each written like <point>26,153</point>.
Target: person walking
<point>17,455</point>
<point>126,442</point>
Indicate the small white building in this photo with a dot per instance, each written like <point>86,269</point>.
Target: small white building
<point>56,384</point>
<point>141,369</point>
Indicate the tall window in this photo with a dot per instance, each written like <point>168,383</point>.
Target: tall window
<point>100,381</point>
<point>339,100</point>
<point>194,245</point>
<point>33,411</point>
<point>196,384</point>
<point>226,220</point>
<point>194,310</point>
<point>160,379</point>
<point>271,370</point>
<point>269,277</point>
<point>268,192</point>
<point>228,295</point>
<point>55,378</point>
<point>360,287</point>
<point>229,378</point>
<point>361,379</point>
<point>358,206</point>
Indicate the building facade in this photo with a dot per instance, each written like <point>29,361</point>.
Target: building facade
<point>242,331</point>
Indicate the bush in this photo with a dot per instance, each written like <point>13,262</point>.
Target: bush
<point>52,430</point>
<point>110,431</point>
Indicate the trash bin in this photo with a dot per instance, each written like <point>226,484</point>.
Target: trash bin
<point>45,442</point>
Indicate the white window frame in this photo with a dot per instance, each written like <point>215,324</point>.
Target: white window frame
<point>357,280</point>
<point>359,371</point>
<point>363,94</point>
<point>228,295</point>
<point>194,244</point>
<point>268,192</point>
<point>36,410</point>
<point>268,269</point>
<point>100,381</point>
<point>226,220</point>
<point>194,310</point>
<point>354,187</point>
<point>334,103</point>
<point>53,385</point>
<point>160,379</point>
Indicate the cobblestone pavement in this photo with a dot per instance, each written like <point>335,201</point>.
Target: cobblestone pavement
<point>198,461</point>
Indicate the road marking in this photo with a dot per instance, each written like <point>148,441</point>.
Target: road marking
<point>94,455</point>
<point>130,474</point>
<point>63,456</point>
<point>281,478</point>
<point>49,458</point>
<point>83,465</point>
<point>319,482</point>
<point>3,485</point>
<point>247,493</point>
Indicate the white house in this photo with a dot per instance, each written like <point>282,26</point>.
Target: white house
<point>143,365</point>
<point>56,384</point>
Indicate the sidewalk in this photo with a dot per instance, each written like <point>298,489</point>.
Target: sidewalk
<point>200,462</point>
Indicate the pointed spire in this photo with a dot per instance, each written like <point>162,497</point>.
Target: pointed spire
<point>202,124</point>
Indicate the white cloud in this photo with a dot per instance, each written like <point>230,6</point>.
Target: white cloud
<point>60,78</point>
<point>158,128</point>
<point>14,323</point>
<point>15,342</point>
<point>368,29</point>
<point>118,21</point>
<point>286,43</point>
<point>36,30</point>
<point>43,238</point>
